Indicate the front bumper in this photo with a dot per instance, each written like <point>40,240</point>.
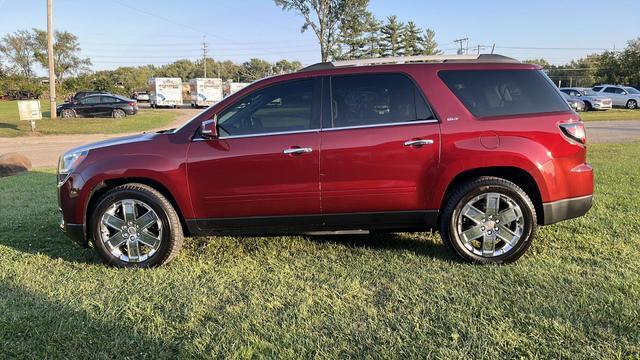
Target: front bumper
<point>566,209</point>
<point>75,232</point>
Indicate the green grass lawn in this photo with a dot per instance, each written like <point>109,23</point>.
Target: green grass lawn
<point>613,114</point>
<point>576,294</point>
<point>146,119</point>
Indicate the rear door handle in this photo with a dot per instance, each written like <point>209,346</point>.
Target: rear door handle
<point>297,150</point>
<point>418,142</point>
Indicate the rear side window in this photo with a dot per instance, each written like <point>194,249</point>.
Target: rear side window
<point>596,88</point>
<point>487,93</point>
<point>360,100</point>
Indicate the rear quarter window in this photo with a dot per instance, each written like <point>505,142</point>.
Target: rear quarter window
<point>488,93</point>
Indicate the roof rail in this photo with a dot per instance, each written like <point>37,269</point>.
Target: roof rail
<point>411,59</point>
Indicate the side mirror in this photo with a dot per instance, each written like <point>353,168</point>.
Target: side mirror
<point>623,93</point>
<point>209,128</point>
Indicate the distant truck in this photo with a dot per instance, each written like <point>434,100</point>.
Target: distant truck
<point>165,92</point>
<point>231,87</point>
<point>205,91</point>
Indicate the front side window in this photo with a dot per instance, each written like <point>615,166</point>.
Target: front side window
<point>279,108</point>
<point>361,100</point>
<point>487,93</point>
<point>611,90</point>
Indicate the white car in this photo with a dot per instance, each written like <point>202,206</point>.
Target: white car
<point>621,95</point>
<point>591,99</point>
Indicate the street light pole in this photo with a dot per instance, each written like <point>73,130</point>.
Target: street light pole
<point>52,73</point>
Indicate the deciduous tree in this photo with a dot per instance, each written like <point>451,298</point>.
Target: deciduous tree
<point>324,18</point>
<point>66,51</point>
<point>18,50</point>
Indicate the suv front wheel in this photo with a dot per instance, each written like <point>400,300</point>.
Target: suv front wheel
<point>134,225</point>
<point>488,220</point>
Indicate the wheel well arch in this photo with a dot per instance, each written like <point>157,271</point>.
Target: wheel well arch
<point>107,185</point>
<point>514,174</point>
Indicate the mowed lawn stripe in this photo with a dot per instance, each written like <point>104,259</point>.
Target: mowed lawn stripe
<point>575,294</point>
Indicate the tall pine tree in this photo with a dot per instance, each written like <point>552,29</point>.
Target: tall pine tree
<point>427,44</point>
<point>411,40</point>
<point>392,34</point>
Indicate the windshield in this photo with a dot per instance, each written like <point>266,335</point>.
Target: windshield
<point>631,90</point>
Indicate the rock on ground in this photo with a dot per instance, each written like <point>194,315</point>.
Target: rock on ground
<point>13,163</point>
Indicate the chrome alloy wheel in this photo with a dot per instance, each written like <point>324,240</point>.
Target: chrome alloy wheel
<point>490,224</point>
<point>131,231</point>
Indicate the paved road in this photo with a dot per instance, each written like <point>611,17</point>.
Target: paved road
<point>613,131</point>
<point>45,150</point>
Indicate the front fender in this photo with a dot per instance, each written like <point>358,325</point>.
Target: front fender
<point>165,171</point>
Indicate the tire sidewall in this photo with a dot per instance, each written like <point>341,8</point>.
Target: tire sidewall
<point>67,111</point>
<point>635,103</point>
<point>109,199</point>
<point>119,111</point>
<point>456,243</point>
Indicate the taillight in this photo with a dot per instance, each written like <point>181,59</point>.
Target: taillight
<point>133,104</point>
<point>574,131</point>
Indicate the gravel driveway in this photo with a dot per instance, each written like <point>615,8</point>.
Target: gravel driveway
<point>45,150</point>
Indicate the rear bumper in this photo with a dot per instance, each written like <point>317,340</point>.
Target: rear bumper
<point>566,209</point>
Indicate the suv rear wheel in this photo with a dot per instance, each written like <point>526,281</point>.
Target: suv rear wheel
<point>133,225</point>
<point>488,220</point>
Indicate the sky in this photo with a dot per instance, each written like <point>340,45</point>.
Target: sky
<point>128,33</point>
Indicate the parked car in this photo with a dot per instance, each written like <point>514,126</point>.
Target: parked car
<point>621,95</point>
<point>98,106</point>
<point>80,94</point>
<point>591,99</point>
<point>140,96</point>
<point>483,148</point>
<point>575,103</point>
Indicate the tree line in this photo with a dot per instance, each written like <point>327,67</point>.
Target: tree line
<point>609,67</point>
<point>23,50</point>
<point>346,29</point>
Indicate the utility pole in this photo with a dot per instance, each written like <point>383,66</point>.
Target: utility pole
<point>52,72</point>
<point>462,50</point>
<point>204,54</point>
<point>479,47</point>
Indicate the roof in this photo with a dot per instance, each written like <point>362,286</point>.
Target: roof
<point>481,58</point>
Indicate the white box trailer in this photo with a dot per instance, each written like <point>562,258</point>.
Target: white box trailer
<point>165,92</point>
<point>234,87</point>
<point>205,91</point>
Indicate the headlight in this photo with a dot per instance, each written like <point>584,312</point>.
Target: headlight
<point>68,162</point>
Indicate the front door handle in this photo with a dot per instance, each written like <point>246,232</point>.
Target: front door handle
<point>418,142</point>
<point>297,150</point>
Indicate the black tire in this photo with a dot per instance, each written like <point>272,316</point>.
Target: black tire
<point>118,114</point>
<point>632,104</point>
<point>468,191</point>
<point>171,240</point>
<point>67,114</point>
<point>587,106</point>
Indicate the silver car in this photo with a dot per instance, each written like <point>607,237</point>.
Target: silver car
<point>591,99</point>
<point>625,96</point>
<point>575,103</point>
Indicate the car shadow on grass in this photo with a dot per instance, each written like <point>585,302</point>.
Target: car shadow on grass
<point>36,326</point>
<point>418,243</point>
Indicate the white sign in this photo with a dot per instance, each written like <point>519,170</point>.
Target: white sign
<point>30,110</point>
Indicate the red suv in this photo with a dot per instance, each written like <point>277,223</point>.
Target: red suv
<point>483,148</point>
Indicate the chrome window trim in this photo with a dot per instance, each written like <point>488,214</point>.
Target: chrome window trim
<point>382,125</point>
<point>259,135</point>
<point>432,121</point>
